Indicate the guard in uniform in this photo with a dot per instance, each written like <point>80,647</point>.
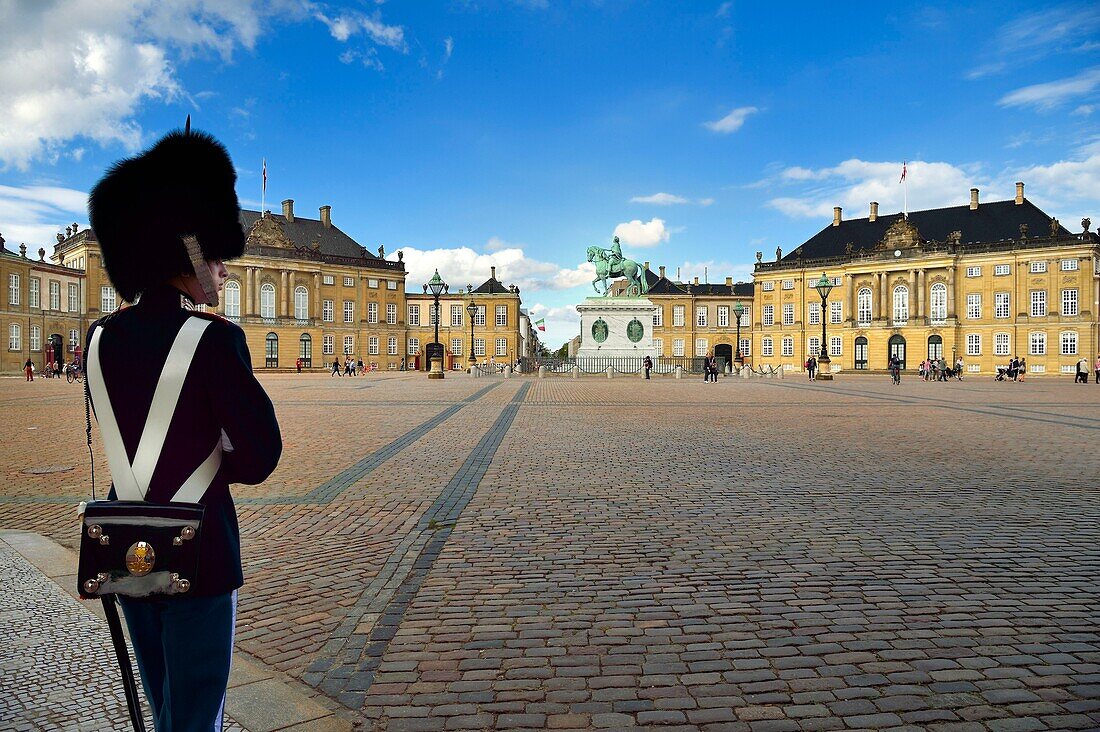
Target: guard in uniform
<point>219,429</point>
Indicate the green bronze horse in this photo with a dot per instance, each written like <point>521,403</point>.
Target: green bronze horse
<point>628,268</point>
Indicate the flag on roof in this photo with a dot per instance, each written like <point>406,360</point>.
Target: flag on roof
<point>902,172</point>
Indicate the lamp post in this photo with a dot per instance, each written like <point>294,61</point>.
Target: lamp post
<point>436,286</point>
<point>471,310</point>
<point>824,286</point>
<point>738,311</point>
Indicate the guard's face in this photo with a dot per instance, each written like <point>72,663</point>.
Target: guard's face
<point>218,273</point>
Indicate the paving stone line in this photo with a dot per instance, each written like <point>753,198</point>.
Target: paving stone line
<point>347,663</point>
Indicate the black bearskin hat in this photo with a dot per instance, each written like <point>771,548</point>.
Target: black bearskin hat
<point>143,206</point>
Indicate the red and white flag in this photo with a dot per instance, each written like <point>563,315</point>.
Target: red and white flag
<point>902,172</point>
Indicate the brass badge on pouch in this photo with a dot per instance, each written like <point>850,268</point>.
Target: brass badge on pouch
<point>140,558</point>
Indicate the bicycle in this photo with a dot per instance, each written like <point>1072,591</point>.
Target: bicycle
<point>73,373</point>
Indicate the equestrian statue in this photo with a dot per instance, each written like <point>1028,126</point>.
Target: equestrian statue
<point>611,263</point>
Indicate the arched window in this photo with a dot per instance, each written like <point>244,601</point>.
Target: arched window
<point>271,350</point>
<point>301,303</point>
<point>233,299</point>
<point>863,306</point>
<point>305,350</point>
<point>938,309</point>
<point>901,305</point>
<point>267,300</point>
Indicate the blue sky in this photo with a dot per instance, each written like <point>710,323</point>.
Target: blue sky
<point>517,133</point>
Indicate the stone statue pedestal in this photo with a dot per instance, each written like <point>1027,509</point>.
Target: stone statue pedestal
<point>616,327</point>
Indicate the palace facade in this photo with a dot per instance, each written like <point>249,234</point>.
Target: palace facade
<point>303,289</point>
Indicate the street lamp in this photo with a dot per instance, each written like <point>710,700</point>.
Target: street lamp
<point>824,286</point>
<point>471,310</point>
<point>436,287</point>
<point>738,311</point>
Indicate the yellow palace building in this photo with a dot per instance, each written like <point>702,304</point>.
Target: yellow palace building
<point>983,282</point>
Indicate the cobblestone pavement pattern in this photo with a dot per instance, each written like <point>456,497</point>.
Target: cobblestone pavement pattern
<point>594,553</point>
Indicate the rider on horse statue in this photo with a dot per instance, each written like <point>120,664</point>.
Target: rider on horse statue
<point>611,263</point>
<point>614,257</point>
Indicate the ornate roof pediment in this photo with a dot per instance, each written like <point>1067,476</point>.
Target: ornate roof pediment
<point>268,232</point>
<point>900,235</point>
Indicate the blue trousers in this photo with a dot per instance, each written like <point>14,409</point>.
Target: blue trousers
<point>183,648</point>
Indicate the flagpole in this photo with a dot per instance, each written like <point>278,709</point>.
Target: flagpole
<point>263,186</point>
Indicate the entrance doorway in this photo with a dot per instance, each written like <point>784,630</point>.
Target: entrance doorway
<point>271,351</point>
<point>861,353</point>
<point>724,351</point>
<point>935,347</point>
<point>897,348</point>
<point>305,350</point>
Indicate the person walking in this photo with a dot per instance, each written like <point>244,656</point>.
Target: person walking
<point>298,364</point>
<point>811,368</point>
<point>959,368</point>
<point>1021,369</point>
<point>1097,369</point>
<point>336,369</point>
<point>895,369</point>
<point>1082,371</point>
<point>216,427</point>
<point>647,364</point>
<point>28,369</point>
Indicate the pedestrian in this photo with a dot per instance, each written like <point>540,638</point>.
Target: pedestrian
<point>811,368</point>
<point>28,369</point>
<point>298,364</point>
<point>359,365</point>
<point>335,369</point>
<point>959,368</point>
<point>224,428</point>
<point>347,367</point>
<point>710,368</point>
<point>647,364</point>
<point>1082,371</point>
<point>1021,369</point>
<point>895,369</point>
<point>1097,369</point>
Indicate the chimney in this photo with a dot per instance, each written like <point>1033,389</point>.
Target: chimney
<point>662,271</point>
<point>874,211</point>
<point>729,282</point>
<point>288,210</point>
<point>647,266</point>
<point>973,199</point>
<point>493,271</point>
<point>1019,193</point>
<point>695,281</point>
<point>326,216</point>
<point>836,215</point>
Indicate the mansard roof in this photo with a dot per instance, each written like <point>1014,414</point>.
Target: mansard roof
<point>663,286</point>
<point>492,286</point>
<point>302,233</point>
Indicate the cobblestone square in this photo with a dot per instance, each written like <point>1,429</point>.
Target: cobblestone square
<point>765,554</point>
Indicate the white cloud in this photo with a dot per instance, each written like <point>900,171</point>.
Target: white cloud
<point>1033,36</point>
<point>705,201</point>
<point>723,10</point>
<point>350,23</point>
<point>448,47</point>
<point>462,266</point>
<point>35,214</point>
<point>638,234</point>
<point>660,199</point>
<point>732,121</point>
<point>1084,110</point>
<point>1053,93</point>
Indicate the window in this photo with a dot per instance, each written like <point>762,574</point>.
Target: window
<point>391,313</point>
<point>973,344</point>
<point>901,305</point>
<point>55,295</point>
<point>1069,265</point>
<point>814,313</point>
<point>479,318</point>
<point>701,317</point>
<point>1037,267</point>
<point>1000,270</point>
<point>433,314</point>
<point>836,344</point>
<point>34,296</point>
<point>1038,303</point>
<point>456,316</point>
<point>769,315</point>
<point>349,345</point>
<point>836,312</point>
<point>766,347</point>
<point>1069,342</point>
<point>677,346</point>
<point>502,347</point>
<point>372,312</point>
<point>788,284</point>
<point>74,297</point>
<point>813,346</point>
<point>863,305</point>
<point>301,303</point>
<point>107,299</point>
<point>974,305</point>
<point>14,338</point>
<point>973,271</point>
<point>788,346</point>
<point>349,282</point>
<point>502,315</point>
<point>677,316</point>
<point>391,346</point>
<point>327,280</point>
<point>349,311</point>
<point>372,346</point>
<point>13,289</point>
<point>328,344</point>
<point>1001,344</point>
<point>74,340</point>
<point>414,315</point>
<point>391,285</point>
<point>1038,343</point>
<point>769,286</point>
<point>659,315</point>
<point>413,346</point>
<point>938,304</point>
<point>479,346</point>
<point>305,349</point>
<point>267,300</point>
<point>371,282</point>
<point>1001,305</point>
<point>723,316</point>
<point>700,346</point>
<point>746,317</point>
<point>36,338</point>
<point>659,344</point>
<point>326,311</point>
<point>1069,301</point>
<point>456,346</point>
<point>788,313</point>
<point>746,347</point>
